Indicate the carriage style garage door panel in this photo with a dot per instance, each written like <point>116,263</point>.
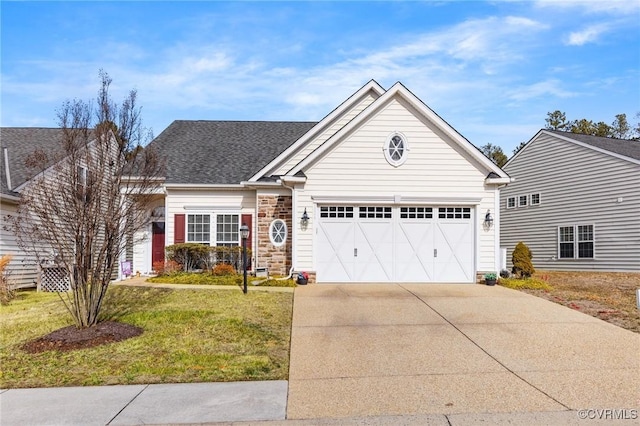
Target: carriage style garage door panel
<point>395,244</point>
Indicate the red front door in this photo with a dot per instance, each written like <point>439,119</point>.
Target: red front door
<point>157,242</point>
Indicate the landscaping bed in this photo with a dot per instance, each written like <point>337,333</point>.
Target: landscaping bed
<point>610,296</point>
<point>205,278</point>
<point>150,335</point>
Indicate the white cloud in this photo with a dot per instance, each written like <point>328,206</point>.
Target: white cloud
<point>586,35</point>
<point>541,89</point>
<point>611,7</point>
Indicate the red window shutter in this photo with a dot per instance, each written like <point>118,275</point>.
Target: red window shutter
<point>248,220</point>
<point>178,232</point>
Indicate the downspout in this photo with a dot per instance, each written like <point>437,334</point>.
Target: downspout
<point>496,229</point>
<point>293,230</point>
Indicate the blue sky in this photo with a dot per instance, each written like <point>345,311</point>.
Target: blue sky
<point>491,69</point>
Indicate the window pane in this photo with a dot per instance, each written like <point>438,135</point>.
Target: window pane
<point>198,226</point>
<point>585,250</point>
<point>566,250</point>
<point>585,233</point>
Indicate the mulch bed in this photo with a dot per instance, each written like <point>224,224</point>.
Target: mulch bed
<point>72,338</point>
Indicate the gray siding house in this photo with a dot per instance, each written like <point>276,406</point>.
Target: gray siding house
<point>575,201</point>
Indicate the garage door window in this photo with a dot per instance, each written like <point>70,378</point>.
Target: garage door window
<point>454,213</point>
<point>336,211</point>
<point>416,213</point>
<point>375,212</point>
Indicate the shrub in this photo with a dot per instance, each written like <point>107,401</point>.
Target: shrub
<point>190,255</point>
<point>223,269</point>
<point>521,259</point>
<point>7,293</point>
<point>167,267</point>
<point>504,273</point>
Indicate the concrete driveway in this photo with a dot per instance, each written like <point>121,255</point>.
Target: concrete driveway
<point>385,350</point>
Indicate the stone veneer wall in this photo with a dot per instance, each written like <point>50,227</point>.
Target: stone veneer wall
<point>270,208</point>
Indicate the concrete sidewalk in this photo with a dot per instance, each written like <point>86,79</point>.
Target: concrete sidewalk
<point>145,404</point>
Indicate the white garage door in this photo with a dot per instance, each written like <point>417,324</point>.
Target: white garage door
<point>395,244</point>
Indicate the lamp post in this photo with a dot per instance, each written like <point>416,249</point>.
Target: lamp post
<point>244,233</point>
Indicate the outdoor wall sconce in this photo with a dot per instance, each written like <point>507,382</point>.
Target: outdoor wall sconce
<point>305,217</point>
<point>488,219</point>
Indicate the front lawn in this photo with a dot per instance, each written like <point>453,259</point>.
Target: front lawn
<point>189,336</point>
<point>610,296</point>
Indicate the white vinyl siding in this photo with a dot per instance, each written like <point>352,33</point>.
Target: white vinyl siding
<point>22,270</point>
<point>326,134</point>
<point>434,169</point>
<point>591,188</point>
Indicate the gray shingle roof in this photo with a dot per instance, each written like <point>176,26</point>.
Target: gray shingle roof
<point>628,148</point>
<point>223,152</point>
<point>21,142</point>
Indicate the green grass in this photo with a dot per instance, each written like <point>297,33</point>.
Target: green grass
<point>189,336</point>
<point>528,283</point>
<point>209,279</point>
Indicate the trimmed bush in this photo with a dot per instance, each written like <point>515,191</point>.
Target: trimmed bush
<point>167,267</point>
<point>521,259</point>
<point>190,255</point>
<point>222,269</point>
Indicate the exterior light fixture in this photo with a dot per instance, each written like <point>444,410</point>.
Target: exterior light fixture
<point>244,233</point>
<point>305,217</point>
<point>488,219</point>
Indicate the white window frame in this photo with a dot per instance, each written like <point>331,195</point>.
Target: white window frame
<point>592,241</point>
<point>213,228</point>
<point>387,147</point>
<point>187,236</point>
<point>576,241</point>
<point>238,242</point>
<point>526,200</point>
<point>539,199</point>
<point>284,229</point>
<point>514,199</point>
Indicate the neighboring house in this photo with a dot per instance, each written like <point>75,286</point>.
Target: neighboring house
<point>380,190</point>
<point>17,144</point>
<point>575,201</point>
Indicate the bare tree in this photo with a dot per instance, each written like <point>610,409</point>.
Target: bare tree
<point>90,194</point>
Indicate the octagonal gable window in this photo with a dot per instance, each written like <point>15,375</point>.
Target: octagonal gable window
<point>396,149</point>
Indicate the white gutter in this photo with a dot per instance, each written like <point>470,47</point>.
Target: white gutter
<point>499,181</point>
<point>202,186</point>
<point>10,198</point>
<point>256,185</point>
